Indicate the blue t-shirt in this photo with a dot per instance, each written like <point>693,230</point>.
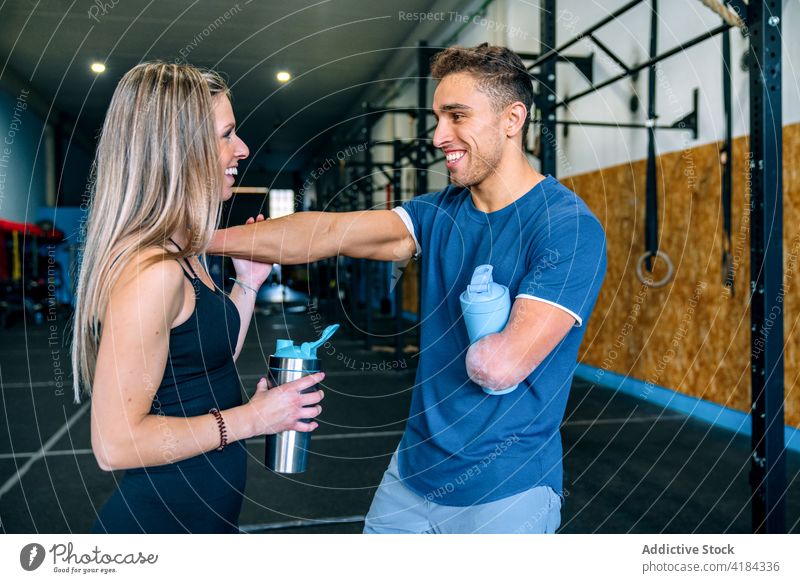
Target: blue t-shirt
<point>461,446</point>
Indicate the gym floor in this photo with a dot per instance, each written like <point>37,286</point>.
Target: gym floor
<point>630,466</point>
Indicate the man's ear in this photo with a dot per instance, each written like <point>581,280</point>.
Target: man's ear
<point>514,118</point>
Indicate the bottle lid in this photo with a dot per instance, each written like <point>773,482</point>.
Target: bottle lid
<point>307,350</point>
<point>482,288</point>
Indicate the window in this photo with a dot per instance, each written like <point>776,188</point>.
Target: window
<point>281,202</point>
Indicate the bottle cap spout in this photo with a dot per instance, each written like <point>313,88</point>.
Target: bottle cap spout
<point>287,349</point>
<point>310,348</point>
<point>483,294</point>
<point>481,279</point>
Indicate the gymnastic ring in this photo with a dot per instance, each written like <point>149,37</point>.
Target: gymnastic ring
<point>648,281</point>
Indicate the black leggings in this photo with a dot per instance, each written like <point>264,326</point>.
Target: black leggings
<point>180,498</point>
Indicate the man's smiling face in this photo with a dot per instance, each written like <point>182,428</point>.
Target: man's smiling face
<point>468,129</point>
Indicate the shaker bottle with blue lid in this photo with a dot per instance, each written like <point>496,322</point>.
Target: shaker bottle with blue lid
<point>486,306</point>
<point>287,452</point>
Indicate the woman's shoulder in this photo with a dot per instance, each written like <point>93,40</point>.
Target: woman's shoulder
<point>150,271</point>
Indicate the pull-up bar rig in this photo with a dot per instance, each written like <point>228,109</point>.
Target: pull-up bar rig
<point>688,123</point>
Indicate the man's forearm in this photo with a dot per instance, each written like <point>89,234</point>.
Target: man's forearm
<point>291,240</point>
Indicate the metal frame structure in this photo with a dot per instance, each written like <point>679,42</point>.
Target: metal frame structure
<point>768,468</point>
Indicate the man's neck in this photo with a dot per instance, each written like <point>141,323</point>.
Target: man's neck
<point>509,182</point>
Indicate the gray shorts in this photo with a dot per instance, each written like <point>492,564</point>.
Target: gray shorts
<point>397,510</point>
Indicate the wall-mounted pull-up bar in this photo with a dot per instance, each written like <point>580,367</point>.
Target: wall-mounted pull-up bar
<point>688,123</point>
<point>584,64</point>
<point>554,53</point>
<point>649,63</point>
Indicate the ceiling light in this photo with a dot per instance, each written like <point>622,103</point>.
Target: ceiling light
<point>283,76</point>
<point>98,67</point>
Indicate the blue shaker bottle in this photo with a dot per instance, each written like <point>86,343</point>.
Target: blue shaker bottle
<point>287,452</point>
<point>486,306</point>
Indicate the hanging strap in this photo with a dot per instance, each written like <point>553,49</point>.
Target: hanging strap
<point>726,160</point>
<point>651,201</point>
<point>651,250</point>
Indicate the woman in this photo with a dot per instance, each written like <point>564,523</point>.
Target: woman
<point>154,341</point>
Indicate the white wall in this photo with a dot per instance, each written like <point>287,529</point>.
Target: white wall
<point>516,24</point>
<point>589,148</point>
<point>22,159</point>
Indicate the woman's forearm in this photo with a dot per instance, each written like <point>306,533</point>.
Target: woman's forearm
<point>306,237</point>
<point>159,439</point>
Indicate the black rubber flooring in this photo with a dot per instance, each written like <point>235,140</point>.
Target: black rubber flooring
<point>630,466</point>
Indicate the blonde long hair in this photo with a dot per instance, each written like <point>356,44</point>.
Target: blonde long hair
<point>156,171</point>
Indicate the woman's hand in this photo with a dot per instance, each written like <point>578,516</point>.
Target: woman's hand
<point>252,273</point>
<point>281,408</point>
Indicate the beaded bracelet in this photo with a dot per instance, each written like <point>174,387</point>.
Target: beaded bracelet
<point>223,433</point>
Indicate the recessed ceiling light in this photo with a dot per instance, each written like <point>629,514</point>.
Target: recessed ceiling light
<point>283,76</point>
<point>98,67</point>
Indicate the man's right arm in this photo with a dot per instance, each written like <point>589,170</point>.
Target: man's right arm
<point>310,236</point>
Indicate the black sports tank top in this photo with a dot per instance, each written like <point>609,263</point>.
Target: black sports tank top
<point>201,375</point>
<point>204,493</point>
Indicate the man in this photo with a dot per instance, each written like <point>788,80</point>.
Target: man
<point>471,461</point>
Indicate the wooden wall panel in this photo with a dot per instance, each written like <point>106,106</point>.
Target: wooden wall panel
<point>411,287</point>
<point>692,335</point>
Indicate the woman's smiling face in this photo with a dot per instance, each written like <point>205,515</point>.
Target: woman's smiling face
<point>231,147</point>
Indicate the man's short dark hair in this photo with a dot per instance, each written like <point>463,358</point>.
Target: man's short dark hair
<point>499,71</point>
